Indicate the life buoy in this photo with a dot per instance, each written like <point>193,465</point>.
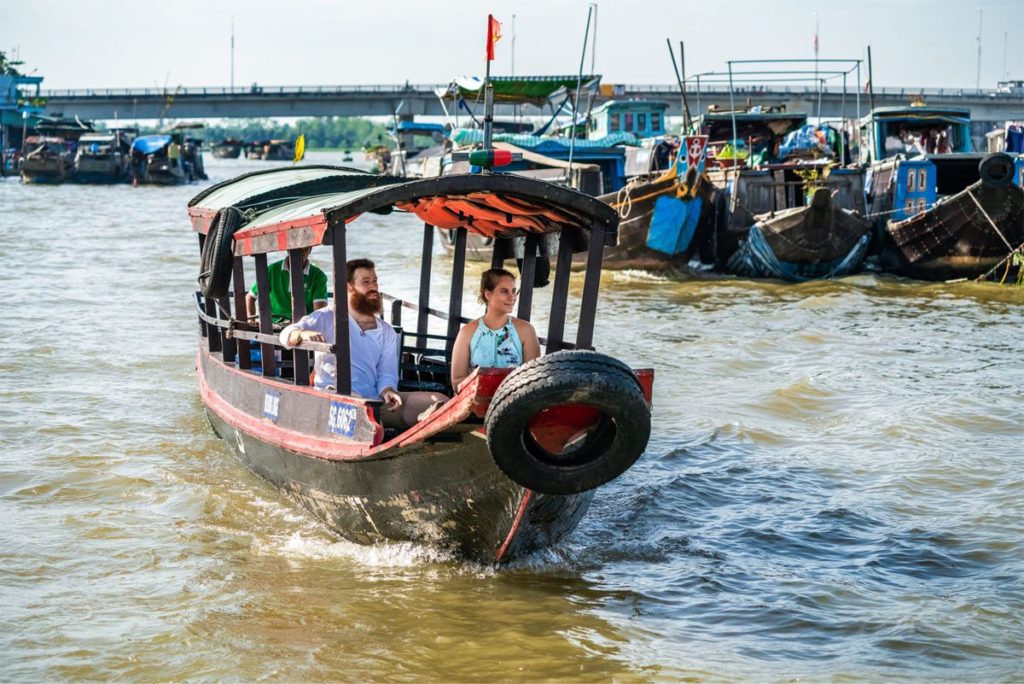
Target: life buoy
<point>216,261</point>
<point>996,170</point>
<point>596,416</point>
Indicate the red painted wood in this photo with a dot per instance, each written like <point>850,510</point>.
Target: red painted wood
<point>553,427</point>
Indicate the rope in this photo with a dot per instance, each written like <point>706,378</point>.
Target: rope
<point>1019,250</point>
<point>990,221</point>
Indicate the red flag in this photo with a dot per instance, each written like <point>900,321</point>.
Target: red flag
<point>493,35</point>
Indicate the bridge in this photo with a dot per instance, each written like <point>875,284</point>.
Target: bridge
<point>988,106</point>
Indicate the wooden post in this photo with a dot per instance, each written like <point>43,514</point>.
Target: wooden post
<point>212,331</point>
<point>298,285</point>
<point>238,274</point>
<point>426,261</point>
<point>591,286</point>
<point>202,241</point>
<point>500,251</point>
<point>455,298</point>
<point>342,350</point>
<point>559,294</point>
<point>228,344</point>
<point>266,317</point>
<point>526,282</point>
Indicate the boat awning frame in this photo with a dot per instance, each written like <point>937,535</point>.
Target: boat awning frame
<point>304,222</point>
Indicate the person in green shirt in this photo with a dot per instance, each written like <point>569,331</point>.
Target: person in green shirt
<point>279,279</point>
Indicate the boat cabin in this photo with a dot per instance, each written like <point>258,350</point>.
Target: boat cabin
<point>758,134</point>
<point>915,130</point>
<point>642,118</point>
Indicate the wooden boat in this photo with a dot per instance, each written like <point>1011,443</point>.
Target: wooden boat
<point>229,148</point>
<point>947,212</point>
<point>170,158</point>
<point>820,240</point>
<point>794,214</point>
<point>511,462</point>
<point>271,150</point>
<point>105,157</point>
<point>47,159</point>
<point>48,156</point>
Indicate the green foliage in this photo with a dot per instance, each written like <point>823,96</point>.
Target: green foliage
<point>8,67</point>
<point>321,133</point>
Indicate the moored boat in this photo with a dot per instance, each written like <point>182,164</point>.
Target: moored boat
<point>511,462</point>
<point>793,210</point>
<point>169,158</point>
<point>944,211</point>
<point>105,157</point>
<point>819,240</point>
<point>229,148</point>
<point>47,159</point>
<point>270,150</point>
<point>49,156</point>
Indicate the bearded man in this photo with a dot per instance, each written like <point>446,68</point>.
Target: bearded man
<point>374,347</point>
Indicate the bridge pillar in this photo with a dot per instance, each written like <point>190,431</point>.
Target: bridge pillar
<point>405,140</point>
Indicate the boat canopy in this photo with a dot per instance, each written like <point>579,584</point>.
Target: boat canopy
<point>420,128</point>
<point>492,205</point>
<point>261,190</point>
<point>518,89</point>
<point>184,126</point>
<point>148,144</point>
<point>97,138</point>
<point>545,144</point>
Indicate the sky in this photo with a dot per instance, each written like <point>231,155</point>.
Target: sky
<point>145,43</point>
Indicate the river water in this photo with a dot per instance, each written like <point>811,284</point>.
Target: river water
<point>833,487</point>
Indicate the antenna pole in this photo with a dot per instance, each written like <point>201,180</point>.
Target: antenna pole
<point>576,99</point>
<point>871,83</point>
<point>232,52</point>
<point>977,83</point>
<point>513,45</point>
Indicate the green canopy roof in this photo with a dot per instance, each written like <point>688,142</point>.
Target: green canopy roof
<point>519,89</point>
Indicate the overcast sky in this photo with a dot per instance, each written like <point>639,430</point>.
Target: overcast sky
<point>143,43</point>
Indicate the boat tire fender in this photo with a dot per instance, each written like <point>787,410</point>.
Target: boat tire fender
<point>996,170</point>
<point>575,378</point>
<point>215,264</point>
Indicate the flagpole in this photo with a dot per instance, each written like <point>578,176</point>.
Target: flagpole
<point>488,105</point>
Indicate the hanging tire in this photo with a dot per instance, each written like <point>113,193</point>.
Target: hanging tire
<point>595,397</point>
<point>215,263</point>
<point>996,170</point>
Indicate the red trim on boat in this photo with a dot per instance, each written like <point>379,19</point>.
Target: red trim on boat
<point>201,218</point>
<point>455,411</point>
<point>302,444</point>
<point>527,495</point>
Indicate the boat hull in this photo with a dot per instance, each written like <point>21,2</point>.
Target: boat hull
<point>444,491</point>
<point>964,236</point>
<point>48,173</point>
<point>227,151</point>
<point>102,172</point>
<point>813,242</point>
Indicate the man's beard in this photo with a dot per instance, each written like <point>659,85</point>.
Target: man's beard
<point>364,305</point>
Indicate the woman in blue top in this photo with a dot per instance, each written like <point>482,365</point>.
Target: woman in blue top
<point>498,339</point>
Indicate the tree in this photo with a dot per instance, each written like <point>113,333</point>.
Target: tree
<point>9,67</point>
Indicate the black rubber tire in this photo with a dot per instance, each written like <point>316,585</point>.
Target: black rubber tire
<point>996,170</point>
<point>570,377</point>
<point>216,261</point>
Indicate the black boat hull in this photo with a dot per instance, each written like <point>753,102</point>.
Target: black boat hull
<point>963,236</point>
<point>445,492</point>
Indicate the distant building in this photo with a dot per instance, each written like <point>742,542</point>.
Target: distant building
<point>642,118</point>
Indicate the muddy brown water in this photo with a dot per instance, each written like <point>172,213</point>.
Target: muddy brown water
<point>833,487</point>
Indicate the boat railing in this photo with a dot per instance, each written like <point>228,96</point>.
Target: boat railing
<point>223,329</point>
